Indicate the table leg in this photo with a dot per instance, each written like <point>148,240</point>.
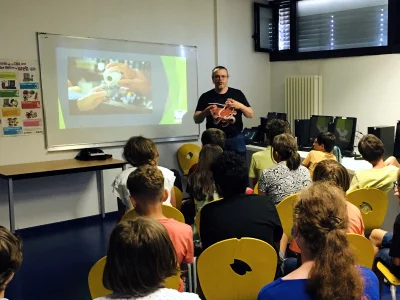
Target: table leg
<point>100,191</point>
<point>11,204</point>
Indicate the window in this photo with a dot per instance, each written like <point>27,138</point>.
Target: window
<point>341,24</point>
<point>284,27</point>
<point>263,28</point>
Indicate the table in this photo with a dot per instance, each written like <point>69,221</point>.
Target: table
<point>349,163</point>
<point>56,167</point>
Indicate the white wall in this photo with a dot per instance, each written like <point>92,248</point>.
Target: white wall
<point>46,200</point>
<point>364,87</point>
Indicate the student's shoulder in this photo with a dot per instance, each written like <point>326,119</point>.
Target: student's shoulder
<point>166,171</point>
<point>170,294</point>
<point>271,290</point>
<point>123,176</point>
<point>181,227</point>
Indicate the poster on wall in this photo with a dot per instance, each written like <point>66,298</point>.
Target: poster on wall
<point>20,98</point>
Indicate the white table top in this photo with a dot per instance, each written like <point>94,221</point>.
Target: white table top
<point>348,162</point>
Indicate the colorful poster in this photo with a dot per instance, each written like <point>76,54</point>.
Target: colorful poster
<point>20,98</point>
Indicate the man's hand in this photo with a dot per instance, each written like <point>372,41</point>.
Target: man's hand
<point>92,100</point>
<point>234,104</point>
<point>199,116</point>
<point>133,80</point>
<point>247,111</point>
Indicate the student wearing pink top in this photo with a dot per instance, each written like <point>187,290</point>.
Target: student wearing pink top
<point>331,170</point>
<point>147,193</point>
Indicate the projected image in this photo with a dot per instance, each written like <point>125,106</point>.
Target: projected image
<point>96,84</point>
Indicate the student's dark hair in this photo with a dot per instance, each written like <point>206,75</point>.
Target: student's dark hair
<point>10,255</point>
<point>146,183</point>
<point>331,170</point>
<point>327,139</point>
<point>371,148</point>
<point>201,182</point>
<point>217,68</point>
<point>230,174</point>
<point>140,257</point>
<point>213,136</point>
<point>140,151</point>
<point>276,127</point>
<point>320,218</point>
<point>286,147</point>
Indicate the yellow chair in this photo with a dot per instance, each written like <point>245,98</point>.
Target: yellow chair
<point>178,198</point>
<point>236,268</point>
<point>188,155</point>
<point>393,280</point>
<point>255,191</point>
<point>285,212</point>
<point>95,280</point>
<point>168,211</point>
<point>362,249</point>
<point>373,205</point>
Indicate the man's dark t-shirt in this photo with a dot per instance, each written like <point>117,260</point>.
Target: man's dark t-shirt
<point>210,97</point>
<point>240,216</point>
<point>395,247</point>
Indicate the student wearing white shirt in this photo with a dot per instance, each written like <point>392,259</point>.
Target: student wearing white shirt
<point>140,151</point>
<point>140,257</point>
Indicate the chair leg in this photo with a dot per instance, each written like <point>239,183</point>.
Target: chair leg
<point>190,276</point>
<point>393,291</point>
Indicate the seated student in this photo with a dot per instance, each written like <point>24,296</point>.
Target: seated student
<point>201,186</point>
<point>331,170</point>
<point>381,176</point>
<point>323,149</point>
<point>146,187</point>
<point>211,136</point>
<point>237,214</point>
<point>328,268</point>
<point>10,258</point>
<point>264,159</point>
<point>388,243</point>
<point>140,257</point>
<point>288,176</point>
<point>140,151</point>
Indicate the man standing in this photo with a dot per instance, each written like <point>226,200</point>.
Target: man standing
<point>223,107</point>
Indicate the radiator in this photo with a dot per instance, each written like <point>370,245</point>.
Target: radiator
<point>303,97</point>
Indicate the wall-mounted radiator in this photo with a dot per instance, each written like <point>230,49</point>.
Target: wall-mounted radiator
<point>303,97</point>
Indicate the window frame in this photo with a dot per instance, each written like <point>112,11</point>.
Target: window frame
<point>293,53</point>
<point>257,34</point>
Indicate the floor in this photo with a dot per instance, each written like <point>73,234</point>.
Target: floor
<point>58,257</point>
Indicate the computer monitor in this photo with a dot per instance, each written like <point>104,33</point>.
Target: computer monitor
<point>319,124</point>
<point>344,130</point>
<point>276,115</point>
<point>396,152</point>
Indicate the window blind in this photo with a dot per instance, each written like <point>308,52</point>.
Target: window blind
<point>341,26</point>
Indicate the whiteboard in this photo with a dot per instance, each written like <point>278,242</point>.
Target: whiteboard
<point>100,92</point>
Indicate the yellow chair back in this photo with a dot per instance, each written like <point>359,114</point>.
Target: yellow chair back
<point>95,279</point>
<point>393,280</point>
<point>178,198</point>
<point>285,211</point>
<point>168,211</point>
<point>255,191</point>
<point>97,288</point>
<point>373,205</point>
<point>188,155</point>
<point>362,249</point>
<point>236,268</point>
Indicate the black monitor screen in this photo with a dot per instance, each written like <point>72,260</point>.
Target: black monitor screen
<point>319,124</point>
<point>397,142</point>
<point>275,115</point>
<point>345,130</point>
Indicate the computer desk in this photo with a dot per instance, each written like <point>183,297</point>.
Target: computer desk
<point>56,167</point>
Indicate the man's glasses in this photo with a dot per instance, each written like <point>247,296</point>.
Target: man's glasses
<point>220,76</point>
<point>395,185</point>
